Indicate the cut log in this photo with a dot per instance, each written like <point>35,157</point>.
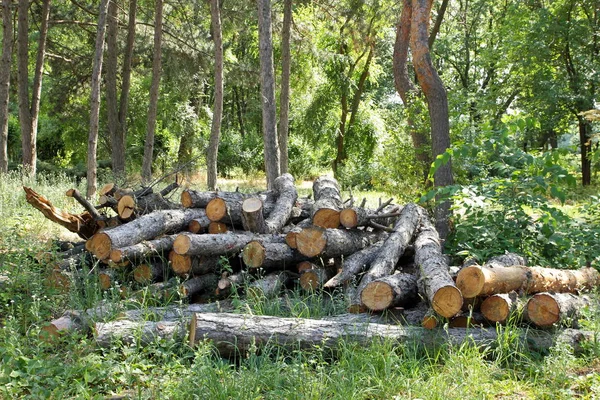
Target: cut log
<point>270,255</point>
<point>304,266</point>
<point>253,219</point>
<point>229,209</point>
<point>151,271</point>
<point>220,244</point>
<point>196,199</point>
<point>107,278</point>
<point>185,266</point>
<point>316,241</point>
<point>392,249</point>
<point>214,228</point>
<point>143,250</point>
<point>146,227</point>
<point>175,312</point>
<point>314,278</point>
<point>199,225</point>
<point>269,286</point>
<point>483,281</point>
<point>283,207</point>
<point>230,283</point>
<point>328,202</point>
<point>108,189</point>
<point>354,264</point>
<point>82,224</point>
<point>198,285</point>
<point>70,321</point>
<point>357,216</point>
<point>399,289</point>
<point>435,283</point>
<point>547,309</point>
<point>500,307</point>
<point>290,237</point>
<point>130,206</point>
<point>142,332</point>
<point>468,320</point>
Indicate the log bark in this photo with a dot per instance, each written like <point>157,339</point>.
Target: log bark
<point>222,209</point>
<point>269,286</point>
<point>283,207</point>
<point>196,199</point>
<point>500,307</point>
<point>316,241</point>
<point>435,283</point>
<point>482,281</point>
<point>547,309</point>
<point>185,266</point>
<point>215,130</point>
<point>393,247</point>
<point>146,249</point>
<point>5,64</point>
<point>328,202</point>
<point>230,283</point>
<point>82,224</point>
<point>354,217</point>
<point>220,244</point>
<point>130,206</point>
<point>253,219</point>
<point>399,289</point>
<point>146,227</point>
<point>199,225</point>
<point>198,285</point>
<point>270,255</point>
<point>354,264</point>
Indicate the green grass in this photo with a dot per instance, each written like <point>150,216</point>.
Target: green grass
<point>74,367</point>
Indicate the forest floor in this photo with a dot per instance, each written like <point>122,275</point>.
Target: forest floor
<point>73,366</point>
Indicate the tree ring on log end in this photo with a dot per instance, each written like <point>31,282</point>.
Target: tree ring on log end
<point>216,209</point>
<point>126,206</point>
<point>348,218</point>
<point>101,245</point>
<point>186,199</point>
<point>254,254</point>
<point>327,218</point>
<point>377,296</point>
<point>495,309</point>
<point>142,273</point>
<point>543,310</point>
<point>182,244</point>
<point>311,241</point>
<point>470,281</point>
<point>447,301</point>
<point>180,264</point>
<point>252,204</point>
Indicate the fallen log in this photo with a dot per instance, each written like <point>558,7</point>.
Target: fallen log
<point>354,264</point>
<point>392,249</point>
<point>185,266</point>
<point>140,251</point>
<point>399,289</point>
<point>230,211</point>
<point>82,224</point>
<point>130,206</point>
<point>354,217</point>
<point>435,283</point>
<point>196,199</point>
<point>483,281</point>
<point>74,193</point>
<point>547,309</point>
<point>270,255</point>
<point>315,241</point>
<point>283,207</point>
<point>500,307</point>
<point>314,278</point>
<point>146,227</point>
<point>199,225</point>
<point>253,219</point>
<point>214,228</point>
<point>269,286</point>
<point>290,236</point>
<point>231,282</point>
<point>218,244</point>
<point>328,202</point>
<point>198,285</point>
<point>151,271</point>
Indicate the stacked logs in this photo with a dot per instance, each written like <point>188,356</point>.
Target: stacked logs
<point>220,243</point>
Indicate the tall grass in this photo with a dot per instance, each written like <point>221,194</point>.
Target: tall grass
<point>74,367</point>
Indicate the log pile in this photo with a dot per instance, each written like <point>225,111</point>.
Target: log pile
<point>219,244</point>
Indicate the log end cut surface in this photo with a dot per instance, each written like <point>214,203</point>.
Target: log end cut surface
<point>348,218</point>
<point>253,254</point>
<point>495,309</point>
<point>377,296</point>
<point>216,209</point>
<point>447,301</point>
<point>182,244</point>
<point>311,241</point>
<point>101,245</point>
<point>142,273</point>
<point>470,281</point>
<point>126,206</point>
<point>543,310</point>
<point>252,205</point>
<point>186,199</point>
<point>327,218</point>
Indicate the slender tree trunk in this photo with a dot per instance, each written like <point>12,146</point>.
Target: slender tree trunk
<point>407,90</point>
<point>284,99</point>
<point>111,89</point>
<point>215,131</point>
<point>153,106</point>
<point>360,87</point>
<point>95,100</point>
<point>437,102</point>
<point>23,82</point>
<point>125,86</point>
<point>267,84</point>
<point>5,64</point>
<point>586,147</point>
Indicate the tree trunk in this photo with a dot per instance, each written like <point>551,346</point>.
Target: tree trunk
<point>154,88</point>
<point>500,307</point>
<point>585,141</point>
<point>195,199</point>
<point>267,85</point>
<point>198,285</point>
<point>95,100</point>
<point>435,283</point>
<point>5,67</point>
<point>437,102</point>
<point>407,90</point>
<point>354,264</point>
<point>119,163</point>
<point>328,202</point>
<point>547,309</point>
<point>315,241</point>
<point>217,245</point>
<point>112,106</point>
<point>215,131</point>
<point>253,219</point>
<point>284,97</point>
<point>186,266</point>
<point>399,289</point>
<point>146,227</point>
<point>483,281</point>
<point>286,199</point>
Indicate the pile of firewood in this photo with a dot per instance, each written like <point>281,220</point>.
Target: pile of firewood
<point>388,258</point>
